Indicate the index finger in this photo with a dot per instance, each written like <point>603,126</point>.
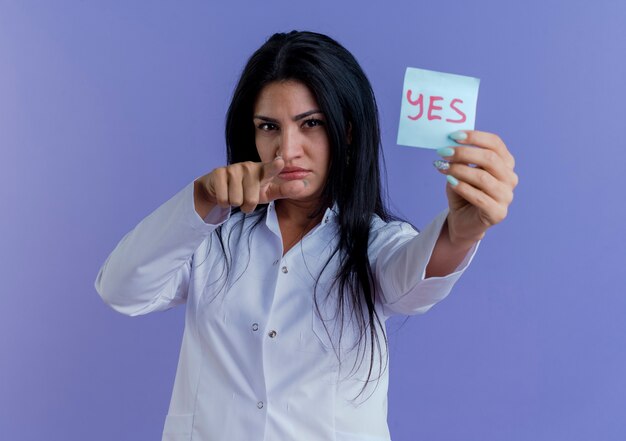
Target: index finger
<point>489,141</point>
<point>271,169</point>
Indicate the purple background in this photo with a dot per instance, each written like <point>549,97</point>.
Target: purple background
<point>108,109</point>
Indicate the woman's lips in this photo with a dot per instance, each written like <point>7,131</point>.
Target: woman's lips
<point>293,174</point>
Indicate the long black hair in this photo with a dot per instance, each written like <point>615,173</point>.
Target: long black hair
<point>345,96</point>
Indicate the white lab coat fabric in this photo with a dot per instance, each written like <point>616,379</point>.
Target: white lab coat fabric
<point>256,362</point>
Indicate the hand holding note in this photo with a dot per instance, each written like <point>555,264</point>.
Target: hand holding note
<point>480,174</point>
<point>481,182</point>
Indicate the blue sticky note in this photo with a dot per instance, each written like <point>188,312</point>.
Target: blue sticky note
<point>435,104</point>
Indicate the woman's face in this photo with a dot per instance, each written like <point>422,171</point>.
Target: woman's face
<point>288,122</point>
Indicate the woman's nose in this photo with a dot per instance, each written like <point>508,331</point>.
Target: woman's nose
<point>290,145</point>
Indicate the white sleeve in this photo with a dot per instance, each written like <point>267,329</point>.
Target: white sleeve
<point>401,270</point>
<point>149,269</point>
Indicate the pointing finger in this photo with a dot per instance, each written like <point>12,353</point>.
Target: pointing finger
<point>271,169</point>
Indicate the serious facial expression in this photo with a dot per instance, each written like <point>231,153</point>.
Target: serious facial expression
<point>289,123</point>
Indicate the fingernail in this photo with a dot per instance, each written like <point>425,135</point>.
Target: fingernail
<point>458,135</point>
<point>452,180</point>
<point>441,164</point>
<point>445,151</point>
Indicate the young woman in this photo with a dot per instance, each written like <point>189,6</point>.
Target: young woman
<point>288,260</point>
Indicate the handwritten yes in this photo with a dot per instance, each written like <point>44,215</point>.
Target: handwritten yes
<point>431,106</point>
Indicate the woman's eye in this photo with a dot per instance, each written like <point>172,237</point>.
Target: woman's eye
<point>313,122</point>
<point>267,126</point>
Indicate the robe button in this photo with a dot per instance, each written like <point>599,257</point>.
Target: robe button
<point>284,270</point>
<point>272,334</point>
<point>255,326</point>
<point>259,404</point>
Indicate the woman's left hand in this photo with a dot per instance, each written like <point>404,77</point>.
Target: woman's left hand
<point>482,194</point>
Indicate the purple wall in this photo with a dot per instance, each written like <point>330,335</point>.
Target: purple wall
<point>107,110</point>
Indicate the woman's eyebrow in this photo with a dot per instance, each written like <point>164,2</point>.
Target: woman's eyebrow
<point>295,118</point>
<point>305,114</point>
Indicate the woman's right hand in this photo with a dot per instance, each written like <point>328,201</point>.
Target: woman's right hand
<point>245,185</point>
